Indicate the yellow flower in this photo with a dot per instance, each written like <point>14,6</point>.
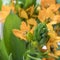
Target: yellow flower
<point>24,29</point>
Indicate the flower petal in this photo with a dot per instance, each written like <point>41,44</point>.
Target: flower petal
<point>3,15</point>
<point>46,3</point>
<point>57,53</point>
<point>42,15</point>
<point>19,34</point>
<point>54,7</point>
<point>30,10</point>
<point>24,26</point>
<point>57,18</point>
<point>23,14</point>
<point>6,8</point>
<point>49,13</point>
<point>32,21</point>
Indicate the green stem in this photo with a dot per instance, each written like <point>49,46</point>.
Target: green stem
<point>33,57</point>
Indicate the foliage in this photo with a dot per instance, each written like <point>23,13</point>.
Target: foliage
<point>28,28</point>
<point>13,44</point>
<point>41,34</point>
<point>0,4</point>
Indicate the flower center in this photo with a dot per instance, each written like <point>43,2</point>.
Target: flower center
<point>25,32</point>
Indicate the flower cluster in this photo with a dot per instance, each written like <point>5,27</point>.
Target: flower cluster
<point>40,26</point>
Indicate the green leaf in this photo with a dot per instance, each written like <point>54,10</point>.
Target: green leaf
<point>0,4</point>
<point>28,3</point>
<point>13,44</point>
<point>10,57</point>
<point>41,34</point>
<point>3,52</point>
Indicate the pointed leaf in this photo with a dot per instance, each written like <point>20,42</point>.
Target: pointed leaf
<point>13,44</point>
<point>3,52</point>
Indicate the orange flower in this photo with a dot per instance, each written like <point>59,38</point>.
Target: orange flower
<point>51,32</point>
<point>3,15</point>
<point>54,7</point>
<point>30,10</point>
<point>53,41</point>
<point>49,13</point>
<point>6,8</point>
<point>23,14</point>
<point>57,53</point>
<point>5,12</point>
<point>32,23</point>
<point>24,29</point>
<point>42,15</point>
<point>45,14</point>
<point>47,3</point>
<point>56,18</point>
